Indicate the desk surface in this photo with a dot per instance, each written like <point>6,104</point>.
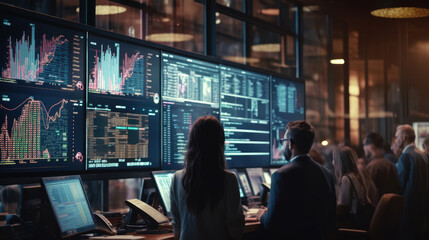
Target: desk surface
<point>249,227</point>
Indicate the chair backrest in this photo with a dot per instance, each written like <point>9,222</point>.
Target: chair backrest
<point>387,217</point>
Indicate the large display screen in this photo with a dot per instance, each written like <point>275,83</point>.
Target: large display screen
<point>245,106</point>
<point>287,105</point>
<point>190,90</point>
<point>42,92</point>
<point>123,116</point>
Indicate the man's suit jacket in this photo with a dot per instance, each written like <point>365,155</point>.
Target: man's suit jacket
<point>413,175</point>
<point>302,203</point>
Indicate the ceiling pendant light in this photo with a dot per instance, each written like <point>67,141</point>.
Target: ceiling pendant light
<point>401,9</point>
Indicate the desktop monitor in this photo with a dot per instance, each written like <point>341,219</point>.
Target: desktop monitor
<point>42,97</point>
<point>240,187</point>
<point>245,184</point>
<point>245,104</point>
<point>287,101</point>
<point>69,205</point>
<point>163,181</point>
<point>256,177</point>
<point>190,90</point>
<point>123,109</point>
<point>267,176</point>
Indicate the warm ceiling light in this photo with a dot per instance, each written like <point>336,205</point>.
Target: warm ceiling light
<point>325,143</point>
<point>267,47</point>
<point>241,60</point>
<point>401,12</point>
<point>169,37</point>
<point>101,10</point>
<point>311,8</point>
<point>270,11</point>
<point>337,61</point>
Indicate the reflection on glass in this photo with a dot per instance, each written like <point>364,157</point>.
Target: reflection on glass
<point>119,18</point>
<point>176,24</point>
<point>94,191</point>
<point>276,12</point>
<point>121,190</point>
<point>275,53</point>
<point>229,42</point>
<point>234,4</point>
<point>65,9</point>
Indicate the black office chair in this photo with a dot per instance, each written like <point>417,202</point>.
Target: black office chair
<point>384,224</point>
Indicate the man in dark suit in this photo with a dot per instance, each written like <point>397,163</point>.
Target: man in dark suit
<point>413,175</point>
<point>302,203</point>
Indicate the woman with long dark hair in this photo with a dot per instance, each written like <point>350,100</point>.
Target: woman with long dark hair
<point>352,187</point>
<point>205,200</point>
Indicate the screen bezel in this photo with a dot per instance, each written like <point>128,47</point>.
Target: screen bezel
<point>250,179</point>
<point>81,230</point>
<point>33,176</point>
<point>168,213</point>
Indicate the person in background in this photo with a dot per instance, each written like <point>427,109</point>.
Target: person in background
<point>426,146</point>
<point>396,149</point>
<point>412,171</point>
<point>382,172</point>
<point>388,153</point>
<point>351,187</point>
<point>9,196</point>
<point>205,200</point>
<point>302,197</point>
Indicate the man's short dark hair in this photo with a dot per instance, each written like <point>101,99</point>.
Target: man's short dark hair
<point>301,134</point>
<point>374,138</point>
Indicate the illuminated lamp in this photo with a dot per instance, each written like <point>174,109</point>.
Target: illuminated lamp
<point>102,10</point>
<point>266,47</point>
<point>337,61</point>
<point>325,143</point>
<point>169,37</point>
<point>270,11</point>
<point>401,9</point>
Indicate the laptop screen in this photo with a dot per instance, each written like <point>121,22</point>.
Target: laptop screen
<point>245,183</point>
<point>163,181</point>
<point>256,177</point>
<point>69,204</point>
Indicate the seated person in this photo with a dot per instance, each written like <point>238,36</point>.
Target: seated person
<point>9,196</point>
<point>205,199</point>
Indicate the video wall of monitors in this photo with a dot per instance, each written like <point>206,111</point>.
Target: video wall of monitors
<point>73,100</point>
<point>287,104</point>
<point>245,106</point>
<point>123,117</point>
<point>190,89</point>
<point>42,91</point>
